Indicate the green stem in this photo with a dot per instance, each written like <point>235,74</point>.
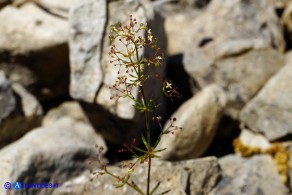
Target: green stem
<point>147,120</point>
<point>148,176</point>
<point>135,187</point>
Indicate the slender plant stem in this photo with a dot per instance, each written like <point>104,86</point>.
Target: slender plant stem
<point>135,187</point>
<point>148,176</point>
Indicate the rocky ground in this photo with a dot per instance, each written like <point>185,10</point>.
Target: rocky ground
<point>230,60</point>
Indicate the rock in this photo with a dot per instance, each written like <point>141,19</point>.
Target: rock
<point>235,33</point>
<point>198,118</point>
<point>92,74</point>
<point>53,7</point>
<point>185,177</point>
<point>53,153</point>
<point>85,41</point>
<point>67,109</point>
<point>255,175</point>
<point>7,100</point>
<point>20,111</point>
<point>280,4</point>
<point>32,30</point>
<point>183,21</point>
<point>252,140</point>
<point>238,76</point>
<point>18,73</point>
<point>30,105</point>
<point>269,112</point>
<point>38,40</point>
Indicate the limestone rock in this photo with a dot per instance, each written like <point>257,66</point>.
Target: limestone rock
<point>37,40</point>
<point>185,177</point>
<point>198,118</point>
<point>67,109</point>
<point>238,75</point>
<point>54,7</point>
<point>85,41</point>
<point>255,175</point>
<point>53,153</point>
<point>178,27</point>
<point>234,34</point>
<point>32,30</point>
<point>30,105</point>
<point>269,112</point>
<point>18,73</point>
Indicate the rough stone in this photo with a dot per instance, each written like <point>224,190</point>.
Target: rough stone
<point>30,105</point>
<point>198,118</point>
<point>238,75</point>
<point>18,73</point>
<point>32,37</point>
<point>53,153</point>
<point>185,177</point>
<point>54,7</point>
<point>235,33</point>
<point>269,112</point>
<point>255,175</point>
<point>182,21</point>
<point>85,41</point>
<point>32,30</point>
<point>67,109</point>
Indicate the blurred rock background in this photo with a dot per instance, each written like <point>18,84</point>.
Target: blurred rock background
<point>231,61</point>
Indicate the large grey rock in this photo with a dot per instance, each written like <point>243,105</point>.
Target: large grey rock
<point>178,26</point>
<point>52,153</point>
<point>181,178</point>
<point>29,29</point>
<point>253,176</point>
<point>270,111</point>
<point>229,39</point>
<point>198,118</point>
<point>34,38</point>
<point>85,41</point>
<point>238,75</point>
<point>54,7</point>
<point>91,72</point>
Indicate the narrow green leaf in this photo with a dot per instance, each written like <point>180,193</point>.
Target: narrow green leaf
<point>144,141</point>
<point>155,188</point>
<point>119,185</point>
<point>139,149</point>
